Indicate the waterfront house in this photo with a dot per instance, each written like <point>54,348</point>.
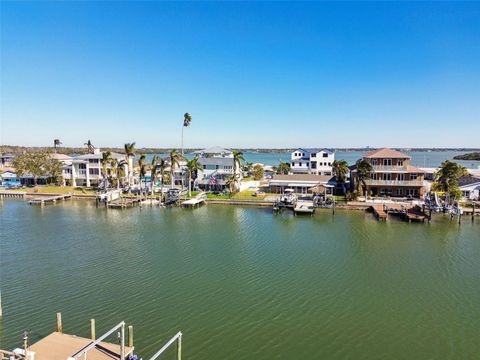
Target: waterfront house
<point>312,161</point>
<point>470,187</point>
<point>9,179</point>
<point>392,175</point>
<point>86,170</point>
<point>217,165</point>
<point>300,183</point>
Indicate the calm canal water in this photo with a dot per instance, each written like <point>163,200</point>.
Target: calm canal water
<point>243,284</point>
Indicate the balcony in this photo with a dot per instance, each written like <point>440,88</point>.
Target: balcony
<point>389,168</point>
<point>394,182</point>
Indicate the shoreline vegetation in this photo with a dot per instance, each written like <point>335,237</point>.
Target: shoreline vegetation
<point>14,149</point>
<point>468,156</point>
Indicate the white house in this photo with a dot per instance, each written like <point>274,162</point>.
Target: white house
<point>216,167</point>
<point>85,170</point>
<point>312,161</point>
<point>471,189</point>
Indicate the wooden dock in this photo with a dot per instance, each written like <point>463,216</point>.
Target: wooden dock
<point>51,199</point>
<point>58,346</point>
<point>123,203</point>
<point>408,212</point>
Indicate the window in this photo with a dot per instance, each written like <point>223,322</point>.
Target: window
<point>374,162</point>
<point>82,166</point>
<point>293,164</point>
<point>325,155</point>
<point>327,173</point>
<point>387,176</point>
<point>216,167</point>
<point>93,171</point>
<point>329,164</point>
<point>204,167</point>
<point>303,154</point>
<point>413,176</point>
<point>387,162</point>
<point>314,164</point>
<point>313,155</point>
<point>400,162</point>
<point>401,177</point>
<point>399,192</point>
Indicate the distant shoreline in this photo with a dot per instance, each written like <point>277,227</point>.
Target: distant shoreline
<point>14,149</point>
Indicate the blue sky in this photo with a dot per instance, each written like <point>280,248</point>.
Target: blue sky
<point>259,74</point>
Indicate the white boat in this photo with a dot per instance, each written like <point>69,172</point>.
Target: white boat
<point>288,198</point>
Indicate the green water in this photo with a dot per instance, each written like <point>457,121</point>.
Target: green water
<point>243,284</point>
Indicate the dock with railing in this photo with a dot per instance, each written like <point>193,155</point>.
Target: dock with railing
<point>196,201</point>
<point>60,346</point>
<point>408,212</point>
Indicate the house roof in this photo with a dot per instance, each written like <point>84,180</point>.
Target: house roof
<point>413,169</point>
<point>468,180</point>
<point>213,150</point>
<point>99,156</point>
<point>316,150</point>
<point>60,157</point>
<point>386,153</point>
<point>216,161</point>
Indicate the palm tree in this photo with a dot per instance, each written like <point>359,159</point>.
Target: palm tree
<point>114,170</point>
<point>187,119</point>
<point>237,158</point>
<point>129,155</point>
<point>56,143</point>
<point>90,147</point>
<point>283,168</point>
<point>340,170</point>
<point>247,167</point>
<point>231,182</point>
<point>154,172</point>
<point>121,173</point>
<point>142,168</point>
<point>106,158</point>
<point>192,166</point>
<point>174,161</point>
<point>162,166</point>
<point>363,173</point>
<point>446,178</point>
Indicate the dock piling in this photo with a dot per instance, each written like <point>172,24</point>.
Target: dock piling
<point>122,342</point>
<point>92,329</point>
<point>179,347</point>
<point>59,322</point>
<point>130,336</point>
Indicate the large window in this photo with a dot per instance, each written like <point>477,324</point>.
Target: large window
<point>325,155</point>
<point>314,164</point>
<point>387,162</point>
<point>313,155</point>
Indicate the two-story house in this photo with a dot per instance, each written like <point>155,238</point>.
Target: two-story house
<point>86,170</point>
<point>217,165</point>
<point>312,161</point>
<point>392,175</point>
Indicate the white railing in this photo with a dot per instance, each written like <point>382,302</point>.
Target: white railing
<point>178,336</point>
<point>94,343</point>
<point>395,182</point>
<point>389,168</point>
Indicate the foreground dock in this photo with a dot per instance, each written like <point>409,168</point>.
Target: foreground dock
<point>196,201</point>
<point>408,212</point>
<point>122,203</point>
<point>51,199</point>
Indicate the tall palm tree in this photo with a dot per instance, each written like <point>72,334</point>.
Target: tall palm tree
<point>162,166</point>
<point>192,166</point>
<point>340,170</point>
<point>237,159</point>
<point>142,168</point>
<point>56,143</point>
<point>129,155</point>
<point>363,173</point>
<point>187,119</point>
<point>121,173</point>
<point>154,171</point>
<point>106,158</point>
<point>174,162</point>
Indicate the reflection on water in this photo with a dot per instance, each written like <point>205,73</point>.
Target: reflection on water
<point>242,283</point>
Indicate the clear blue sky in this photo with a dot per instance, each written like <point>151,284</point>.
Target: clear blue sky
<point>251,74</point>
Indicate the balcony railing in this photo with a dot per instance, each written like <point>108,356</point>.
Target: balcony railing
<point>394,182</point>
<point>381,168</point>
